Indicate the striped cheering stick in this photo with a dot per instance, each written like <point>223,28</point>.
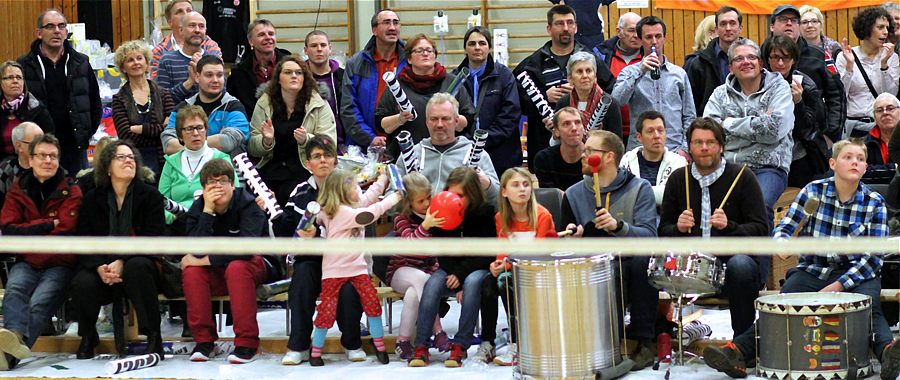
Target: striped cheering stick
<point>402,100</point>
<point>255,183</point>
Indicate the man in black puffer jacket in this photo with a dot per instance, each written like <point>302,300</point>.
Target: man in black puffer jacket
<point>248,75</point>
<point>63,79</point>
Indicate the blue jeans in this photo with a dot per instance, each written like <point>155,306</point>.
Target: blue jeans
<point>435,289</point>
<point>742,283</point>
<point>802,281</point>
<point>772,182</point>
<point>32,296</point>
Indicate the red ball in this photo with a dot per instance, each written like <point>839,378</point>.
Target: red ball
<point>448,205</point>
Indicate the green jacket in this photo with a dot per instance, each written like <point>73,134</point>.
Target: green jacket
<point>173,184</point>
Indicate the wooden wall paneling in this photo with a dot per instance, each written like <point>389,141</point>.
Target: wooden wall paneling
<point>843,25</point>
<point>680,29</point>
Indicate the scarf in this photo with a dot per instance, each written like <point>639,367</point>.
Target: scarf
<point>705,206</point>
<point>155,99</point>
<point>120,221</point>
<point>423,82</point>
<point>11,106</point>
<point>592,100</point>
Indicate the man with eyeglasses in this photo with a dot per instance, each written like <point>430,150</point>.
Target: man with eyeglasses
<point>710,68</point>
<point>627,210</point>
<point>695,209</point>
<point>785,21</point>
<point>362,85</point>
<point>42,202</point>
<point>547,68</point>
<point>878,142</point>
<point>13,166</point>
<point>228,128</point>
<point>176,68</point>
<point>756,109</point>
<point>620,51</point>
<point>62,78</point>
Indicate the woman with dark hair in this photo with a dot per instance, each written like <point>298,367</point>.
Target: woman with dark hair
<point>461,276</point>
<point>122,204</point>
<point>868,70</point>
<point>810,151</point>
<point>494,94</point>
<point>17,105</point>
<point>420,79</point>
<point>286,116</point>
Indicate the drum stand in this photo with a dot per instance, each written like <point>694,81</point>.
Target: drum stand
<point>679,304</point>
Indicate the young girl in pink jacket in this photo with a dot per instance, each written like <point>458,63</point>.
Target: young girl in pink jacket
<point>346,211</point>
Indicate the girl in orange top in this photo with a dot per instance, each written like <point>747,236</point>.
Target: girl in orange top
<point>520,217</point>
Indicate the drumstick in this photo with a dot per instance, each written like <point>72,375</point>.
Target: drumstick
<point>812,204</point>
<point>567,232</point>
<point>687,190</point>
<point>594,161</point>
<point>736,179</point>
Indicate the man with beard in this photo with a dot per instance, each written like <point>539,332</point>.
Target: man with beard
<point>175,67</point>
<point>710,179</point>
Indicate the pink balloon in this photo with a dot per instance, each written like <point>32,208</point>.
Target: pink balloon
<point>448,205</point>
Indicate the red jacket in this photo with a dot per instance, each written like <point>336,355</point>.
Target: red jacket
<point>20,216</point>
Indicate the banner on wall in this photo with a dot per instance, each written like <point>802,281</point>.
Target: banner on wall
<point>758,6</point>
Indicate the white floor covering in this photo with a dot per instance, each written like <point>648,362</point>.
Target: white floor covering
<point>267,365</point>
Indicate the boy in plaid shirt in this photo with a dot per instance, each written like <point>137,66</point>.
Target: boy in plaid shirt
<point>846,208</point>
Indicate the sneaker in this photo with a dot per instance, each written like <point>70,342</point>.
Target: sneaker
<point>419,358</point>
<point>510,357</point>
<point>404,350</point>
<point>203,352</point>
<point>295,357</point>
<point>357,355</point>
<point>644,356</point>
<point>12,343</point>
<point>484,353</point>
<point>242,355</point>
<point>727,358</point>
<point>890,361</point>
<point>441,342</point>
<point>316,361</point>
<point>457,355</point>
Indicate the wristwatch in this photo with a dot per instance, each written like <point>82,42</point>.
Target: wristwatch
<point>619,225</point>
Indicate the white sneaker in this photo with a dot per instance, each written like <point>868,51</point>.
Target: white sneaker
<point>508,358</point>
<point>295,357</point>
<point>484,353</point>
<point>356,355</point>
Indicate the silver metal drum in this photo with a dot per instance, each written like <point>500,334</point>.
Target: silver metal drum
<point>567,324</point>
<point>814,335</point>
<point>694,273</point>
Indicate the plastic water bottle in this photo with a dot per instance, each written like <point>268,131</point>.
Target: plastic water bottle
<point>654,74</point>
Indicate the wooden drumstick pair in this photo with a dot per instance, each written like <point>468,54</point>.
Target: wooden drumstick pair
<point>687,189</point>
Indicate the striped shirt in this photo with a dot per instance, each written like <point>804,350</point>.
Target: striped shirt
<point>173,70</point>
<point>168,44</point>
<point>863,215</point>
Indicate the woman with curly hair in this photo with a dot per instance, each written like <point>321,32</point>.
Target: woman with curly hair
<point>868,70</point>
<point>286,116</point>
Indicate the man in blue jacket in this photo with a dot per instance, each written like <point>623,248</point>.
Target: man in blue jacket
<point>228,128</point>
<point>362,84</point>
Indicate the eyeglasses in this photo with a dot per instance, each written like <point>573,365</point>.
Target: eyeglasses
<point>389,23</point>
<point>426,51</point>
<point>776,58</point>
<point>592,151</point>
<point>121,157</point>
<point>44,156</point>
<point>703,143</point>
<point>742,58</point>
<point>786,19</point>
<point>885,109</point>
<point>190,130</point>
<point>10,78</point>
<point>291,73</point>
<point>810,22</point>
<point>320,156</point>
<point>218,181</point>
<point>60,26</point>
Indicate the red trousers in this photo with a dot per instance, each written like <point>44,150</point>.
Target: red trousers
<point>327,309</point>
<point>238,280</point>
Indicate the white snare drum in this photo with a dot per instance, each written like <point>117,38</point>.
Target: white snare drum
<point>694,273</point>
<point>814,335</point>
